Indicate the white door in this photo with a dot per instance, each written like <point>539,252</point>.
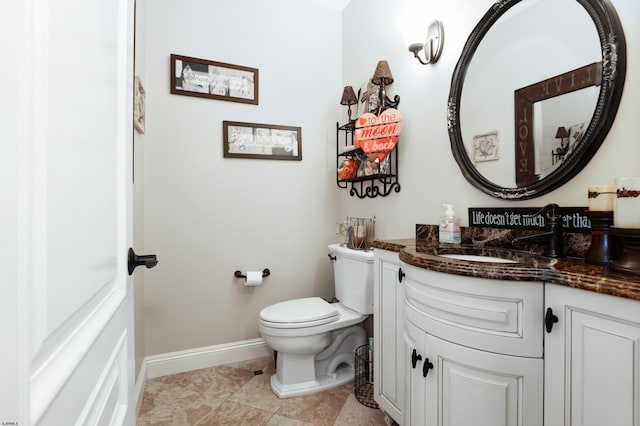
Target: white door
<point>67,77</point>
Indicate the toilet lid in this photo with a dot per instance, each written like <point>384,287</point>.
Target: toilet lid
<point>305,312</point>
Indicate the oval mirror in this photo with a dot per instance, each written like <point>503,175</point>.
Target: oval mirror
<point>534,93</point>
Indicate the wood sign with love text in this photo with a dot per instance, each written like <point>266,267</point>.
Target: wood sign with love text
<point>378,135</point>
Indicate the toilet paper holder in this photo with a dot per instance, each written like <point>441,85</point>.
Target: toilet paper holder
<point>265,273</point>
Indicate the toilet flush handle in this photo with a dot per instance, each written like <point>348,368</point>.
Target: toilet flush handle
<point>331,257</point>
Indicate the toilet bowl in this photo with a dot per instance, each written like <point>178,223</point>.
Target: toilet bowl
<point>315,340</point>
<point>314,354</point>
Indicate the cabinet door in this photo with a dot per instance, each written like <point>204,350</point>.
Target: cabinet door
<point>469,387</point>
<point>388,304</point>
<point>473,387</point>
<point>415,408</point>
<point>592,359</point>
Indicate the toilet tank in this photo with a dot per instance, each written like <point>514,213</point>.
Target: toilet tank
<point>353,274</point>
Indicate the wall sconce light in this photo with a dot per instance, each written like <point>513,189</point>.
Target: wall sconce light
<point>433,46</point>
<point>348,98</point>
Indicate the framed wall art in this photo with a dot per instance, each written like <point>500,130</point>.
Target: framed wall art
<point>213,80</point>
<point>485,147</point>
<point>262,141</point>
<point>138,105</point>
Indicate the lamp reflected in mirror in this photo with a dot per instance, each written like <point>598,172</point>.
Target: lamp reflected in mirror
<point>559,153</point>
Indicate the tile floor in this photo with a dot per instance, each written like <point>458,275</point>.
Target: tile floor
<point>232,395</point>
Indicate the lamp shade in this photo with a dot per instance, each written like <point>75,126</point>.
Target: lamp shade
<point>562,132</point>
<point>382,74</point>
<point>348,96</point>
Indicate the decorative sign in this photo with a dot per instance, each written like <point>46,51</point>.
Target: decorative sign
<point>574,219</point>
<point>378,135</point>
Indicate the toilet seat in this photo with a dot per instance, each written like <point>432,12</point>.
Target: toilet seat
<point>299,313</point>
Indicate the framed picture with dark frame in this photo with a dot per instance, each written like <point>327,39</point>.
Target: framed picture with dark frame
<point>262,141</point>
<point>214,80</point>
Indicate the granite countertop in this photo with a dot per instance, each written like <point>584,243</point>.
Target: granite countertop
<point>531,266</point>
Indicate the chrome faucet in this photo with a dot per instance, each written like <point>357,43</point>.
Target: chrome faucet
<point>552,237</point>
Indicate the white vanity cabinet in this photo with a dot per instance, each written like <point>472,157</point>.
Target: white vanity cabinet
<point>388,328</point>
<point>473,350</point>
<point>592,359</point>
<point>453,350</point>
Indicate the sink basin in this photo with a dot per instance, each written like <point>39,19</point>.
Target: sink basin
<point>477,258</point>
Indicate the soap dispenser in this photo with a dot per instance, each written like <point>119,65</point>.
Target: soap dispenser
<point>449,231</point>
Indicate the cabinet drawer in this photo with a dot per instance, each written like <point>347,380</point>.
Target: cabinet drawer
<point>492,315</point>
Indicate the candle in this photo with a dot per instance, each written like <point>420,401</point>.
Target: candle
<point>600,198</point>
<point>626,210</point>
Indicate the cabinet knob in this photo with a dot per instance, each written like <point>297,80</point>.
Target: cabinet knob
<point>401,275</point>
<point>426,367</point>
<point>415,358</point>
<point>549,320</point>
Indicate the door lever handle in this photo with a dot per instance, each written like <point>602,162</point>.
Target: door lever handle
<point>134,260</point>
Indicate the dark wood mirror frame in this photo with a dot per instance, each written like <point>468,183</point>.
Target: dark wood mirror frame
<point>611,81</point>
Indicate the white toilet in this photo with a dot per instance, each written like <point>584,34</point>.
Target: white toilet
<point>316,340</point>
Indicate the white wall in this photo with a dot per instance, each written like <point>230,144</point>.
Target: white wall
<point>206,216</point>
<point>429,174</point>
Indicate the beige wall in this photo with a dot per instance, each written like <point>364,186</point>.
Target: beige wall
<point>206,216</point>
<point>429,174</point>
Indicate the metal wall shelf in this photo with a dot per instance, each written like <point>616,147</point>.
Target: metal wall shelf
<point>371,186</point>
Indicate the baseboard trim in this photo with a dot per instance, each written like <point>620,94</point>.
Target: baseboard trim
<point>209,356</point>
<point>194,359</point>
